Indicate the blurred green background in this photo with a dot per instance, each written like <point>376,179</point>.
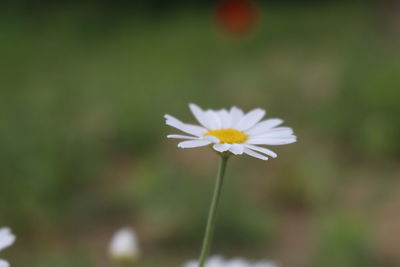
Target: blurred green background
<point>83,150</point>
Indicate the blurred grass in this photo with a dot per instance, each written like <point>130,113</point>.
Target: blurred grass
<point>83,148</point>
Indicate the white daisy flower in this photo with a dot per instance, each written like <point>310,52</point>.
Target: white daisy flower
<point>218,261</point>
<point>6,240</point>
<point>124,245</point>
<point>232,131</point>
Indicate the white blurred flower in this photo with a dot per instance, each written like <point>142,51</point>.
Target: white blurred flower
<point>232,131</point>
<point>218,261</point>
<point>124,247</point>
<point>6,240</point>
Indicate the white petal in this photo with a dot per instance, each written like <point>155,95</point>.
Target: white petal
<point>215,261</point>
<point>124,244</point>
<point>280,129</point>
<point>200,115</point>
<point>6,238</point>
<point>190,129</point>
<point>271,141</point>
<point>211,138</point>
<point>250,119</point>
<point>237,149</point>
<point>265,264</point>
<point>238,262</point>
<point>172,119</point>
<point>254,154</point>
<point>213,120</point>
<point>187,128</point>
<point>193,143</point>
<point>218,261</point>
<point>178,136</point>
<point>275,134</point>
<point>236,115</point>
<point>222,147</point>
<point>192,263</point>
<point>3,263</point>
<point>262,150</point>
<point>264,126</point>
<point>225,118</point>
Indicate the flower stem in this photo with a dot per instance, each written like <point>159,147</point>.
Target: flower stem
<point>213,211</point>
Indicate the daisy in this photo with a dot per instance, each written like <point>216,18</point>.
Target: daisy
<point>232,131</point>
<point>6,240</point>
<point>218,261</point>
<point>229,132</point>
<point>124,246</point>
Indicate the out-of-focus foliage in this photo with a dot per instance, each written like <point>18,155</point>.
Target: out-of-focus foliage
<point>83,147</point>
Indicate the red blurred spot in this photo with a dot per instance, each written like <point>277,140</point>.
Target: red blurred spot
<point>236,16</point>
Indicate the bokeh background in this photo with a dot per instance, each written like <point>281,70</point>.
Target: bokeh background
<point>84,87</point>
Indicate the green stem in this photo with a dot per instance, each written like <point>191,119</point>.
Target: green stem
<point>213,211</point>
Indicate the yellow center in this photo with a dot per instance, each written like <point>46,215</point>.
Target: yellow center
<point>229,136</point>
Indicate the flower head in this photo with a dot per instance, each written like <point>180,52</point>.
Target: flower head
<point>232,131</point>
<point>124,246</point>
<point>6,240</point>
<point>218,261</point>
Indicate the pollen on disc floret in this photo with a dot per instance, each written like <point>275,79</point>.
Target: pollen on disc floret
<point>229,136</point>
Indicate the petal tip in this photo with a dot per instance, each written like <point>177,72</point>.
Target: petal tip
<point>193,106</point>
<point>167,116</point>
